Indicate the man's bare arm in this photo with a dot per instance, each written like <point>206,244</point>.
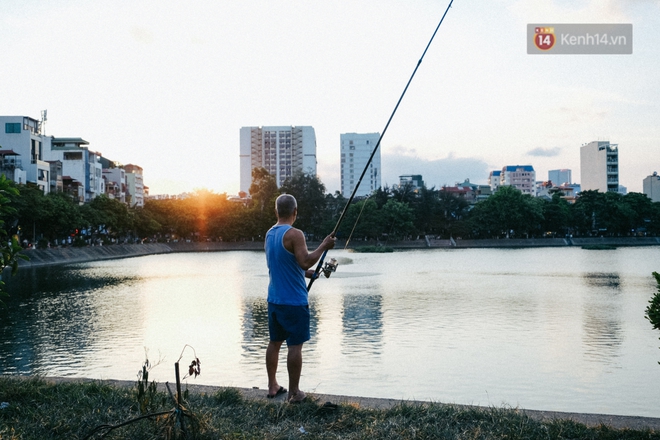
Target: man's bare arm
<point>294,242</point>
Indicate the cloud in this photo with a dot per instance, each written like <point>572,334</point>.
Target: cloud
<point>544,152</point>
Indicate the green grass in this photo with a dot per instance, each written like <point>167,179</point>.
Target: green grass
<point>41,410</point>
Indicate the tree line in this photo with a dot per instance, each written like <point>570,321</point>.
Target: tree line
<point>387,214</point>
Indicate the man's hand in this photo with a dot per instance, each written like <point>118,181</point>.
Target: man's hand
<point>328,242</point>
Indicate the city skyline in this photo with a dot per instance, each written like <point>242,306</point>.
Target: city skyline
<point>152,84</point>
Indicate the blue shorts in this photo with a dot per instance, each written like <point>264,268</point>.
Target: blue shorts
<point>290,323</point>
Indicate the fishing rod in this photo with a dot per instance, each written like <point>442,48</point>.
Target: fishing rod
<point>331,266</point>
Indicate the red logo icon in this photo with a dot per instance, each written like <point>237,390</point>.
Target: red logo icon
<point>544,37</point>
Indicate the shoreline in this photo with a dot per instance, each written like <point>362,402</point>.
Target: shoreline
<point>70,255</point>
<point>588,419</point>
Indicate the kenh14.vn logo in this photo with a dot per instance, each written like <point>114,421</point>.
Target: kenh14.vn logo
<point>544,37</point>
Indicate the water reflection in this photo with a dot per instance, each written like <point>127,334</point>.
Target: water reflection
<point>603,335</point>
<point>53,316</point>
<point>254,327</point>
<point>601,279</point>
<point>362,324</point>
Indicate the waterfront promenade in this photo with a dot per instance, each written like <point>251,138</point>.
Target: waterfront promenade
<point>69,254</point>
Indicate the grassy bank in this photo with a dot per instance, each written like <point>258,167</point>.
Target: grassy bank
<point>38,409</point>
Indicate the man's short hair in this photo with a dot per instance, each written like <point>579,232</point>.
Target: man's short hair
<point>285,205</point>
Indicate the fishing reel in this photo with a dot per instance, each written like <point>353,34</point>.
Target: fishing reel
<point>329,267</point>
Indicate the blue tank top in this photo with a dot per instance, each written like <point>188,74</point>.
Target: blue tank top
<point>287,278</point>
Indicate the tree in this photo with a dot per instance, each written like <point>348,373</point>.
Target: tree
<point>263,189</point>
<point>425,208</point>
<point>556,215</point>
<point>9,246</point>
<point>309,192</point>
<point>362,220</point>
<point>505,212</point>
<point>641,208</point>
<point>334,206</point>
<point>107,216</point>
<point>653,310</point>
<point>61,216</point>
<point>397,219</point>
<point>264,192</point>
<point>449,216</point>
<point>144,222</point>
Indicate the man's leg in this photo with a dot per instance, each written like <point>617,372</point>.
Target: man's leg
<point>294,367</point>
<point>272,358</point>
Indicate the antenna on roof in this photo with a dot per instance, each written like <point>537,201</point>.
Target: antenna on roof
<point>44,118</point>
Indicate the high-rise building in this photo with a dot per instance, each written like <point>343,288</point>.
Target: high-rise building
<point>494,180</point>
<point>522,177</point>
<point>355,150</point>
<point>651,187</point>
<point>560,177</point>
<point>599,166</point>
<point>282,151</point>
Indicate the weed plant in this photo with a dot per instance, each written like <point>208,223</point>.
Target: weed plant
<point>39,409</point>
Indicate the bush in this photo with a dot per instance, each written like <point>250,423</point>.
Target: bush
<point>653,310</point>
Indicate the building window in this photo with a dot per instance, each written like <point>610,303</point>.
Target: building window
<point>12,127</point>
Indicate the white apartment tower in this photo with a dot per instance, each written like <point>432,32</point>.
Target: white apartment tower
<point>599,166</point>
<point>652,187</point>
<point>494,180</point>
<point>522,177</point>
<point>355,151</point>
<point>281,150</point>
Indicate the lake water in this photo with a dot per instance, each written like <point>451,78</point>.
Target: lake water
<point>547,329</point>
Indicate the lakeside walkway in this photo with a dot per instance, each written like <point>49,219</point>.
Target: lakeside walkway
<point>70,254</point>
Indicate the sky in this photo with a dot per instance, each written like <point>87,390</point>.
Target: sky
<point>167,85</point>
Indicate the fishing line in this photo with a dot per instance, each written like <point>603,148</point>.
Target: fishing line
<point>364,203</point>
<point>319,266</point>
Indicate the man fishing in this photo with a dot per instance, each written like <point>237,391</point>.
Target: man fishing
<point>288,261</point>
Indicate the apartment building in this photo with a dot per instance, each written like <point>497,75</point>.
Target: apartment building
<point>414,180</point>
<point>599,166</point>
<point>355,150</point>
<point>651,187</point>
<point>82,172</point>
<point>522,177</point>
<point>115,183</point>
<point>135,185</point>
<point>281,150</point>
<point>494,180</point>
<point>22,149</point>
<point>560,177</point>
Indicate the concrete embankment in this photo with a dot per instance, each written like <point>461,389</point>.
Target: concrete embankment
<point>68,255</point>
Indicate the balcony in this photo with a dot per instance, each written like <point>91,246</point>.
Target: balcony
<point>10,164</point>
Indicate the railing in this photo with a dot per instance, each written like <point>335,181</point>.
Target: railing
<point>11,164</point>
